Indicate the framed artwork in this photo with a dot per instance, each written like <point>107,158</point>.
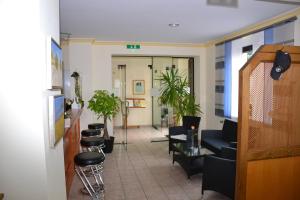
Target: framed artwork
<point>138,87</point>
<point>54,65</point>
<point>56,119</point>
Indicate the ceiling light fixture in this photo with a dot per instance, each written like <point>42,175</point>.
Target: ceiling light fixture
<point>173,25</point>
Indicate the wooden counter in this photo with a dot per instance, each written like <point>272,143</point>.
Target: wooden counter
<point>71,146</point>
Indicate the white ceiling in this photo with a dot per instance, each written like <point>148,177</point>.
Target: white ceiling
<point>147,20</point>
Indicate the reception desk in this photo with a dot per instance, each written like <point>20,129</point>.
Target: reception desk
<point>71,146</point>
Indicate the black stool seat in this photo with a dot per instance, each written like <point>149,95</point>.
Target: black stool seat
<point>88,158</point>
<point>90,132</point>
<point>92,141</point>
<point>96,126</point>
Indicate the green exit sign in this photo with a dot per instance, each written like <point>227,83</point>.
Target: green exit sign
<point>133,46</point>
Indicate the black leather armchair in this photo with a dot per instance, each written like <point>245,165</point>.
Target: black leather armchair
<point>214,140</point>
<point>219,172</point>
<point>187,123</point>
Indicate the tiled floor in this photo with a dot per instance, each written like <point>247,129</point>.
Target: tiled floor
<point>145,172</point>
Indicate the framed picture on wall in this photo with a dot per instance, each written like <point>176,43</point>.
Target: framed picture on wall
<point>138,87</point>
<point>54,65</point>
<point>56,119</point>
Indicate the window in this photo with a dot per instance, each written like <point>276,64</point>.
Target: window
<point>232,55</point>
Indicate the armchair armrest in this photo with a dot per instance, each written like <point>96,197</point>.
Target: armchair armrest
<point>228,153</point>
<point>219,175</point>
<point>233,144</point>
<point>211,133</point>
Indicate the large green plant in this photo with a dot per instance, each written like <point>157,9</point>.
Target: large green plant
<point>105,105</point>
<point>175,93</point>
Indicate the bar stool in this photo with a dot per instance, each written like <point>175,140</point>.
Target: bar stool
<point>97,126</point>
<point>90,133</point>
<point>90,161</point>
<point>93,144</point>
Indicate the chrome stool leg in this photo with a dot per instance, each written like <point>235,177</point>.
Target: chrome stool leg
<point>94,144</point>
<point>88,166</point>
<point>93,149</point>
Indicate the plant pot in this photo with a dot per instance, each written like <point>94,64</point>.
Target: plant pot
<point>109,145</point>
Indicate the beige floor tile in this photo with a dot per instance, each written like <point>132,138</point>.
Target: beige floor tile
<point>145,172</point>
<point>134,194</point>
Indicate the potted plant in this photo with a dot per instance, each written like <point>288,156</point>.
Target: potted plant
<point>105,105</point>
<point>175,93</point>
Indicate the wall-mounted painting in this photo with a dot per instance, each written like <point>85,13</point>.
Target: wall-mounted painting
<point>138,87</point>
<point>56,119</point>
<point>54,65</point>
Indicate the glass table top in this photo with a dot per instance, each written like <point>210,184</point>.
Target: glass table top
<point>192,151</point>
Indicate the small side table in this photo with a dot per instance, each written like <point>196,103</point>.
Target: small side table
<point>190,158</point>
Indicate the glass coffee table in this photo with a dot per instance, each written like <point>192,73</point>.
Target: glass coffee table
<point>190,157</point>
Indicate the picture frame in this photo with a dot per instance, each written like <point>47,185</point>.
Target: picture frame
<point>138,87</point>
<point>56,119</point>
<point>54,65</point>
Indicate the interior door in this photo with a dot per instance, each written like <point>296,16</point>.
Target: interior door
<point>159,112</point>
<point>119,86</point>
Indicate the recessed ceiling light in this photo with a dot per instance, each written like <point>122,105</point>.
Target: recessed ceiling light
<point>173,25</point>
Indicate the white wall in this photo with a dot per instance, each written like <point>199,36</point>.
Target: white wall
<point>297,31</point>
<point>67,73</point>
<point>54,158</point>
<point>94,61</point>
<point>28,168</point>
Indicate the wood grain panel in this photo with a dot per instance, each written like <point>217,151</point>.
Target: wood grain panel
<point>275,179</point>
<point>243,124</point>
<point>268,157</point>
<point>71,147</point>
<point>274,48</point>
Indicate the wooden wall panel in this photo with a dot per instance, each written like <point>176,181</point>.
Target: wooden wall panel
<point>275,179</point>
<point>268,157</point>
<point>71,147</point>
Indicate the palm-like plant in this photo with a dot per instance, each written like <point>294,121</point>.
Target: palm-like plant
<point>169,87</point>
<point>191,108</point>
<point>175,93</point>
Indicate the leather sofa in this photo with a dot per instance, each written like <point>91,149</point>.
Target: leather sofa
<point>214,140</point>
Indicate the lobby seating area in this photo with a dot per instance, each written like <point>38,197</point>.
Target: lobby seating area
<point>187,123</point>
<point>214,158</point>
<point>97,99</point>
<point>145,171</point>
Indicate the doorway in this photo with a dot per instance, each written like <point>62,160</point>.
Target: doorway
<point>163,115</point>
<point>136,82</point>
